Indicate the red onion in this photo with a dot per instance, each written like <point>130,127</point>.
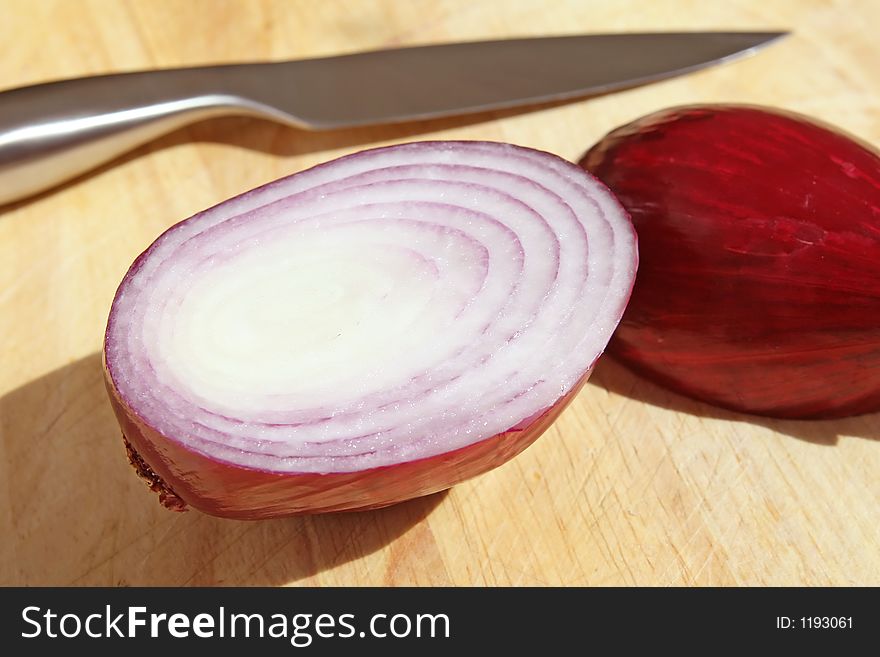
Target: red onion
<point>759,283</point>
<point>376,328</point>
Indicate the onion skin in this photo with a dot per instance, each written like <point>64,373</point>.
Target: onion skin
<point>759,281</point>
<point>231,491</point>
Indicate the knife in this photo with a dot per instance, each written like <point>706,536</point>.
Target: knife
<point>52,132</point>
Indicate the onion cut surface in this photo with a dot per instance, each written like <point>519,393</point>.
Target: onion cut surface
<point>373,329</point>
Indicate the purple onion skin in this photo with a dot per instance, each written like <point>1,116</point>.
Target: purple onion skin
<point>759,281</point>
<point>232,491</point>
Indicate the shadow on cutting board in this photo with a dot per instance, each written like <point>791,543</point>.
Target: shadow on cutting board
<point>77,514</point>
<point>614,377</point>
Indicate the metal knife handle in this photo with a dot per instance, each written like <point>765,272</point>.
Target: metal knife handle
<point>52,132</point>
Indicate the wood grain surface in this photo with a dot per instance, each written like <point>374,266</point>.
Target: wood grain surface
<point>632,485</point>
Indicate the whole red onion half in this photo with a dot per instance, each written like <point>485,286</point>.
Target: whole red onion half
<point>374,329</point>
<point>759,281</point>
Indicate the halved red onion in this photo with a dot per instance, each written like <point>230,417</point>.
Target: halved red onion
<point>759,287</point>
<point>376,328</point>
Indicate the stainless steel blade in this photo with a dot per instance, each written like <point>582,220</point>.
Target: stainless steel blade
<point>443,80</point>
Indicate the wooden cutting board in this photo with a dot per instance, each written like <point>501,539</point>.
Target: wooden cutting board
<point>632,485</point>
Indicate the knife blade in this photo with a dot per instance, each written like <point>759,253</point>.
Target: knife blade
<point>52,132</point>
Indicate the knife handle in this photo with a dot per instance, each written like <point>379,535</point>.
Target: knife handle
<point>52,132</point>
